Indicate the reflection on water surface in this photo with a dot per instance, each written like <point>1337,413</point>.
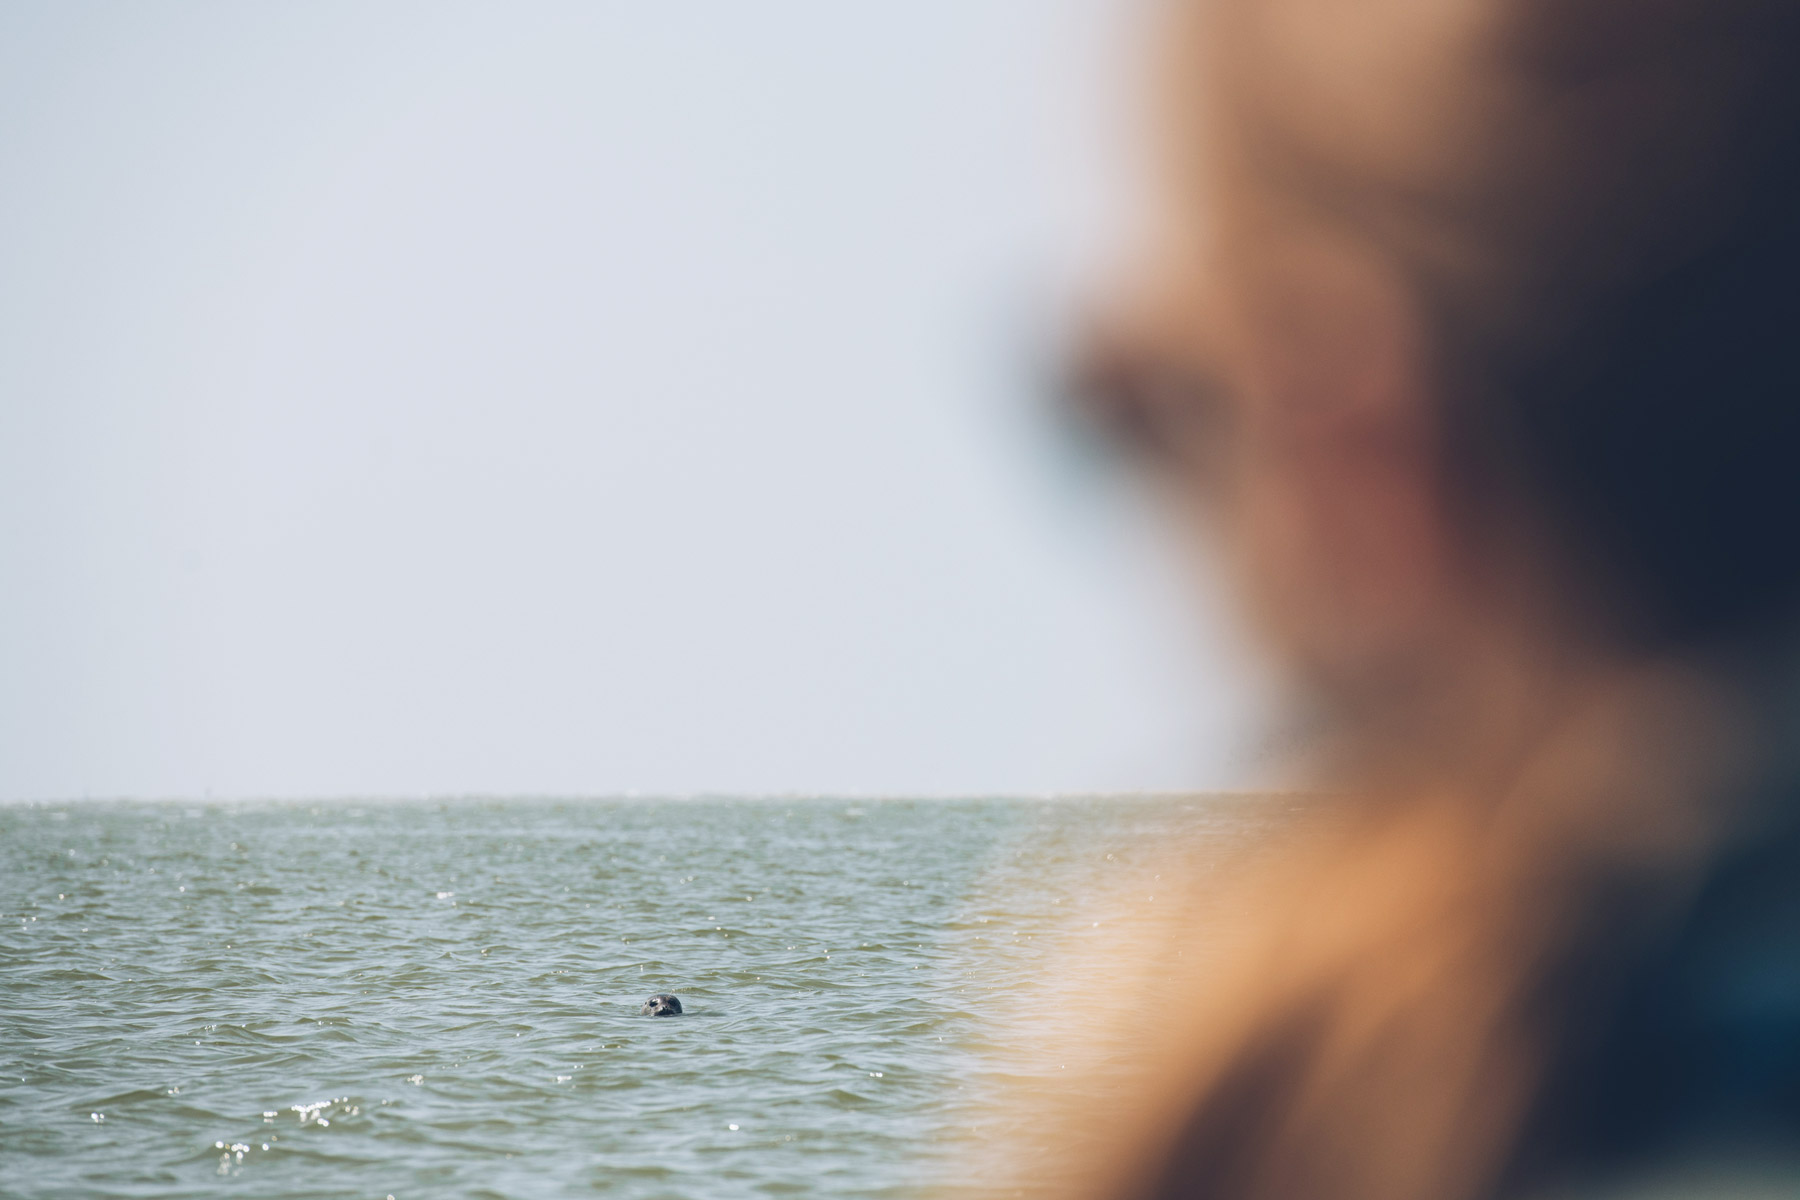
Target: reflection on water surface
<point>291,999</point>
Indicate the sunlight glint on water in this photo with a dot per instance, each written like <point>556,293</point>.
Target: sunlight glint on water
<point>289,999</point>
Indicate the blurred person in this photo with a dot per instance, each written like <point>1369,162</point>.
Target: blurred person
<point>1469,330</point>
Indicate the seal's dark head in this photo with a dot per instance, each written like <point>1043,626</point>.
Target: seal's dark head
<point>662,1005</point>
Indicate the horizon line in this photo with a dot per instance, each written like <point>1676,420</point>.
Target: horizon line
<point>648,796</point>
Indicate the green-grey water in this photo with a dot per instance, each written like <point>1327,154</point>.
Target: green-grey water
<point>442,999</point>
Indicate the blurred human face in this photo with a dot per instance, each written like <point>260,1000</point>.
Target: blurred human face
<point>1270,360</point>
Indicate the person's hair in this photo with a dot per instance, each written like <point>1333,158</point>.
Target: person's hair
<point>1642,397</point>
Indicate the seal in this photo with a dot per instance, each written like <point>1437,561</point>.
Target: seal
<point>662,1005</point>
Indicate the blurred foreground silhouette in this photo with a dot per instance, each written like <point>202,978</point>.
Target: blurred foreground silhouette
<point>1467,333</point>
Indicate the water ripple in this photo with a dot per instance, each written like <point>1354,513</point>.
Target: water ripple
<point>292,999</point>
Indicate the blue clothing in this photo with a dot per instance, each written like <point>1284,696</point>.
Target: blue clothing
<point>1678,1027</point>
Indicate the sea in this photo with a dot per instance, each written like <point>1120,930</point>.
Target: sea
<point>443,998</point>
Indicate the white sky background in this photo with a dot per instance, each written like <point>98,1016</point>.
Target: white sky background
<point>568,398</point>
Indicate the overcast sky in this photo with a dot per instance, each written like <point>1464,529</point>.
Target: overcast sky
<point>569,398</point>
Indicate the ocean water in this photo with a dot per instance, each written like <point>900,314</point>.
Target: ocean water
<point>429,999</point>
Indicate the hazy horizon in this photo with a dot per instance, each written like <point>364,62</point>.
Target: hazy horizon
<point>848,797</point>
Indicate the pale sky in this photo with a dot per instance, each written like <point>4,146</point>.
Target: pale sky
<point>571,398</point>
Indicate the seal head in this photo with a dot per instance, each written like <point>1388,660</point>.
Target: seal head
<point>662,1005</point>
